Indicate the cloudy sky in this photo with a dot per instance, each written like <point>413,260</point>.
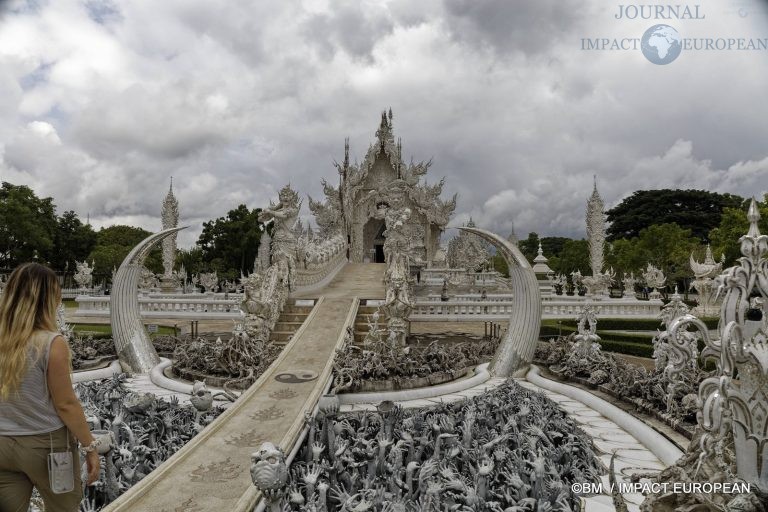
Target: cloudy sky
<point>102,101</point>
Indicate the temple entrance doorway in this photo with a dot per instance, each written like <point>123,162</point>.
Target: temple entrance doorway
<point>373,237</point>
<point>378,253</point>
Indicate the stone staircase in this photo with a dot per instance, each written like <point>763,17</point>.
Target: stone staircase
<point>364,316</point>
<point>289,322</point>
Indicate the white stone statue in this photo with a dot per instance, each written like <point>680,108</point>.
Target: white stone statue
<point>284,214</point>
<point>704,283</point>
<point>84,275</point>
<point>587,340</point>
<point>209,281</point>
<point>398,303</point>
<point>629,282</point>
<point>467,251</point>
<point>147,279</point>
<point>676,355</point>
<point>655,279</point>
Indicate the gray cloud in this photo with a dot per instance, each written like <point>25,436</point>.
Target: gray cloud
<point>235,100</point>
<point>528,27</point>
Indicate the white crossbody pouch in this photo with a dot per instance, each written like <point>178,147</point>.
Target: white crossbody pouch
<point>61,469</point>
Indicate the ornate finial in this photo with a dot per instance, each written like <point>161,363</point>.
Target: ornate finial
<point>346,153</point>
<point>753,216</point>
<point>170,189</point>
<point>594,179</point>
<point>288,196</point>
<point>541,251</point>
<point>390,117</point>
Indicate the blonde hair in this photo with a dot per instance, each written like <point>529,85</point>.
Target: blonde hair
<point>28,304</point>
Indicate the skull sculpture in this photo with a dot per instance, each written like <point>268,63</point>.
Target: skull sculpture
<point>268,469</point>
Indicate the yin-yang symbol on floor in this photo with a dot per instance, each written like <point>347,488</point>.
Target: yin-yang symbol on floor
<point>296,376</point>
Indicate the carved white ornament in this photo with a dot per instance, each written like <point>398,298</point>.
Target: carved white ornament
<point>736,397</point>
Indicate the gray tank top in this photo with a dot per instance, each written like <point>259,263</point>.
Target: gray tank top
<point>30,409</point>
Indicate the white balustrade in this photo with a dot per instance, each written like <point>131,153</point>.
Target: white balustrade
<point>71,293</point>
<point>201,306</point>
<point>500,307</point>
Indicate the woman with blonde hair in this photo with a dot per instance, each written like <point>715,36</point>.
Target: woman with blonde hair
<point>39,411</point>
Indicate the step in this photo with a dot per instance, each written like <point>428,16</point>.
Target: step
<point>282,325</point>
<point>293,317</point>
<point>281,335</point>
<point>367,310</point>
<point>305,310</point>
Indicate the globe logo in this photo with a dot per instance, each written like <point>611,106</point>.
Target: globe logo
<point>661,44</point>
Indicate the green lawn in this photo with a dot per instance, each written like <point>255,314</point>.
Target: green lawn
<point>69,303</point>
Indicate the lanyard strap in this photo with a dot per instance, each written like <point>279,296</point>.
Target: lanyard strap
<point>50,438</point>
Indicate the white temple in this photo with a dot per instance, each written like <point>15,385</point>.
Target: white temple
<point>356,207</point>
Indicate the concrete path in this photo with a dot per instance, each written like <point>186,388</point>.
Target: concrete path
<point>632,456</point>
<point>212,471</point>
<point>361,280</point>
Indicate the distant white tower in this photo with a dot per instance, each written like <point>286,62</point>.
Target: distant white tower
<point>170,217</point>
<point>596,231</point>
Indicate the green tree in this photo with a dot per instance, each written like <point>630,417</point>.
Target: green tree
<point>73,241</point>
<point>530,246</point>
<point>500,264</point>
<point>229,244</point>
<point>27,226</point>
<point>553,245</point>
<point>697,210</point>
<point>573,256</point>
<point>668,247</point>
<point>191,259</point>
<point>626,256</point>
<point>113,244</point>
<point>734,225</point>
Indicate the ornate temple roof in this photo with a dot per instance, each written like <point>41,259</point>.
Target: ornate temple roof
<point>357,188</point>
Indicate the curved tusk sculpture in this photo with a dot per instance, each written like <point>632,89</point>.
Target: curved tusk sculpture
<point>519,343</point>
<point>132,343</point>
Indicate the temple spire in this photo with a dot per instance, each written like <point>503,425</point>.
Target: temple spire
<point>596,230</point>
<point>346,153</point>
<point>753,216</point>
<point>170,219</point>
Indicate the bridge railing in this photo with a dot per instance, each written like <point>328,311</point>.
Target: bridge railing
<point>318,262</point>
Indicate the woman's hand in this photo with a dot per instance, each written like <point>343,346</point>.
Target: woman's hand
<point>94,466</point>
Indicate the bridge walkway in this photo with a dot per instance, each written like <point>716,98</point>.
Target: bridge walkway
<point>211,473</point>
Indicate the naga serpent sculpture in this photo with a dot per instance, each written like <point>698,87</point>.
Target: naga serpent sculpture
<point>132,343</point>
<point>516,349</point>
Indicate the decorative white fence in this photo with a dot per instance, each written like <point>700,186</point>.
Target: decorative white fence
<point>71,293</point>
<point>499,309</point>
<point>188,306</point>
<point>436,276</point>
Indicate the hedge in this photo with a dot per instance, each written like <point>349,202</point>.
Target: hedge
<point>632,349</point>
<point>627,324</point>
